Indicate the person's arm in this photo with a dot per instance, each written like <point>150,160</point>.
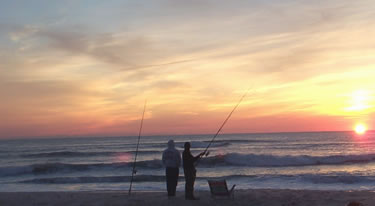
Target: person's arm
<point>198,156</point>
<point>179,158</point>
<point>163,158</point>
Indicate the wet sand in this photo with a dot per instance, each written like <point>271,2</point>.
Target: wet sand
<point>257,197</point>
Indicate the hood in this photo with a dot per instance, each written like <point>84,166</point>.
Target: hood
<point>171,144</point>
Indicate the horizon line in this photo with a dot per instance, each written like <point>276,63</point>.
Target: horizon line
<point>157,135</point>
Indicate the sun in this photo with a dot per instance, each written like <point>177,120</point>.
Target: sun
<point>360,128</point>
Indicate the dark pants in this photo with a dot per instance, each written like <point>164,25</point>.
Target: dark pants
<point>189,183</point>
<point>172,179</point>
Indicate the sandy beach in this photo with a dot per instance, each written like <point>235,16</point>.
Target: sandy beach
<point>257,197</point>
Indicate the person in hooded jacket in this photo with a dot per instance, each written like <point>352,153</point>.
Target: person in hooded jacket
<point>172,161</point>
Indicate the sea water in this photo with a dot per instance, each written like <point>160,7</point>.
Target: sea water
<point>313,160</point>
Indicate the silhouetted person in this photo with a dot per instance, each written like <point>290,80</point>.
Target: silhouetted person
<point>189,171</point>
<point>172,161</point>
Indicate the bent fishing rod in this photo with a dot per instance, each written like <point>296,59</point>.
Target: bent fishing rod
<point>136,151</point>
<point>225,121</point>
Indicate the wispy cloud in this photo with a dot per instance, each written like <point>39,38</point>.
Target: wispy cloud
<point>90,67</point>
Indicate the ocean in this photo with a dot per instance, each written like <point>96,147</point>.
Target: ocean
<point>311,160</point>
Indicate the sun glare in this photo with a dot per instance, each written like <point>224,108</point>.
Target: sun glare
<point>359,101</point>
<point>360,129</point>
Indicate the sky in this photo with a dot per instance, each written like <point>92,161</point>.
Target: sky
<point>86,68</point>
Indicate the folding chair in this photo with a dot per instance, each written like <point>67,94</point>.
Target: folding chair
<point>219,189</point>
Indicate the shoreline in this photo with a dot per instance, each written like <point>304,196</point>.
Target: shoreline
<point>259,197</point>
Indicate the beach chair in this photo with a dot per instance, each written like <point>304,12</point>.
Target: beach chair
<point>354,203</point>
<point>219,189</point>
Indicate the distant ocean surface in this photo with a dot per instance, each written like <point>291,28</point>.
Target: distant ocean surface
<point>314,160</point>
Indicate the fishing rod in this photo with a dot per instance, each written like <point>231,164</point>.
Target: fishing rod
<point>225,121</point>
<point>136,151</point>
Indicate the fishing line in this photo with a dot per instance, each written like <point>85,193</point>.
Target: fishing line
<point>225,121</point>
<point>136,151</point>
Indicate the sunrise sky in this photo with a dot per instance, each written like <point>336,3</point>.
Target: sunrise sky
<point>85,68</point>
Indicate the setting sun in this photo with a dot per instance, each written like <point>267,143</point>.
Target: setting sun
<point>360,129</point>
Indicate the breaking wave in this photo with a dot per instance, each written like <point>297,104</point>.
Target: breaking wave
<point>311,178</point>
<point>257,160</point>
<point>49,168</point>
<point>85,154</point>
<point>230,159</point>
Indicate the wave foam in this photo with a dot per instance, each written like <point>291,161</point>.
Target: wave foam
<point>230,159</point>
<point>256,160</point>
